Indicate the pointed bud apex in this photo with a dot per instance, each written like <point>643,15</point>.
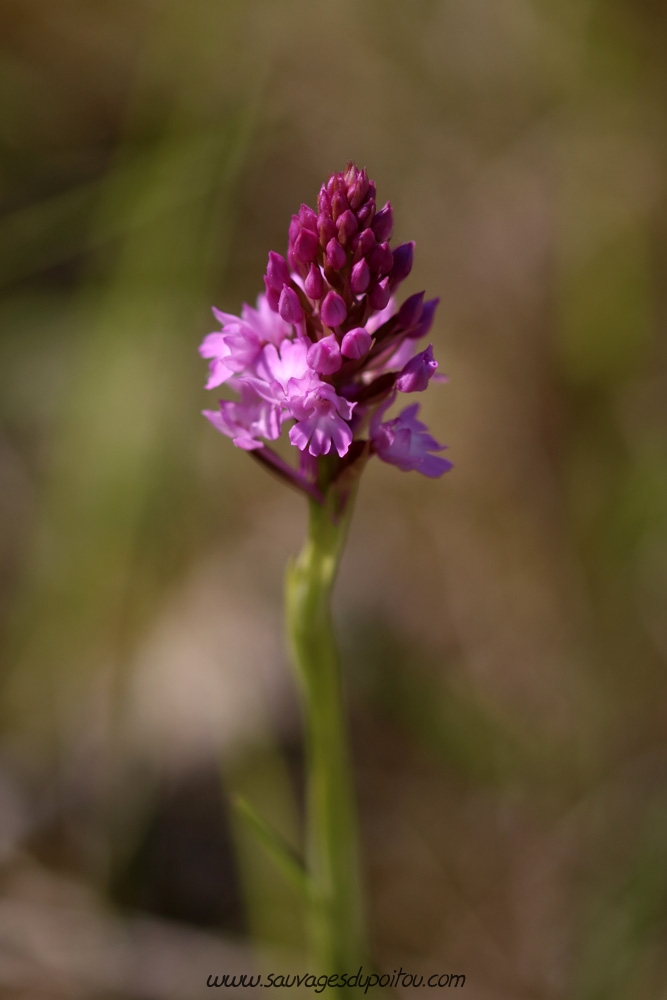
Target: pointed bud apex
<point>326,228</point>
<point>347,227</point>
<point>339,204</point>
<point>308,218</point>
<point>425,320</point>
<point>324,356</point>
<point>366,213</point>
<point>363,242</point>
<point>324,201</point>
<point>289,306</point>
<point>306,246</point>
<point>277,271</point>
<point>379,294</point>
<point>383,223</point>
<point>272,295</point>
<point>417,373</point>
<point>381,259</point>
<point>314,283</point>
<point>334,310</point>
<point>356,343</point>
<point>336,256</point>
<point>294,228</point>
<point>411,311</point>
<point>402,262</point>
<point>361,277</point>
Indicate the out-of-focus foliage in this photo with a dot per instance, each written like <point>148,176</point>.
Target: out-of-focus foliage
<point>504,629</point>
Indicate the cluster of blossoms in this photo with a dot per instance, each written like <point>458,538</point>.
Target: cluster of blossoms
<point>327,346</point>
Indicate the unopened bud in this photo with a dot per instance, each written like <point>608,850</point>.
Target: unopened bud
<point>336,256</point>
<point>379,294</point>
<point>334,310</point>
<point>324,356</point>
<point>381,259</point>
<point>347,227</point>
<point>289,306</point>
<point>314,283</point>
<point>356,343</point>
<point>277,271</point>
<point>360,278</point>
<point>383,223</point>
<point>402,262</point>
<point>306,246</point>
<point>411,311</point>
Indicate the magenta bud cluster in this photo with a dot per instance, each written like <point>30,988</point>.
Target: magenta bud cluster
<point>327,346</point>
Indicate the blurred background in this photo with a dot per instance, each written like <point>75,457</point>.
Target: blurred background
<point>504,629</point>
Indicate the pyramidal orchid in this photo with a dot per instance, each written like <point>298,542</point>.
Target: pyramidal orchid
<point>324,355</point>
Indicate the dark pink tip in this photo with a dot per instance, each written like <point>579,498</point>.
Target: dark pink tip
<point>360,278</point>
<point>334,310</point>
<point>336,256</point>
<point>314,283</point>
<point>289,306</point>
<point>383,223</point>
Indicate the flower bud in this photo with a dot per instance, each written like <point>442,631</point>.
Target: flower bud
<point>360,278</point>
<point>324,201</point>
<point>308,218</point>
<point>366,213</point>
<point>294,228</point>
<point>383,223</point>
<point>277,271</point>
<point>335,255</point>
<point>347,227</point>
<point>272,295</point>
<point>334,310</point>
<point>402,262</point>
<point>324,356</point>
<point>363,242</point>
<point>417,373</point>
<point>326,228</point>
<point>339,204</point>
<point>289,306</point>
<point>379,294</point>
<point>306,246</point>
<point>425,320</point>
<point>411,311</point>
<point>314,283</point>
<point>356,343</point>
<point>381,259</point>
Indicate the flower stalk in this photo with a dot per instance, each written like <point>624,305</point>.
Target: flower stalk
<point>332,854</point>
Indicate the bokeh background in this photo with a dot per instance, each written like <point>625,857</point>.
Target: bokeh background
<point>504,629</point>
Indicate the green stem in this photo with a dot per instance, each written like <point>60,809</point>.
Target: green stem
<point>332,852</point>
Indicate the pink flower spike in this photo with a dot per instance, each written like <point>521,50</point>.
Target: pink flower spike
<point>356,343</point>
<point>334,310</point>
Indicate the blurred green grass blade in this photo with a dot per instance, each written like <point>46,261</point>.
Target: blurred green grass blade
<point>278,849</point>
